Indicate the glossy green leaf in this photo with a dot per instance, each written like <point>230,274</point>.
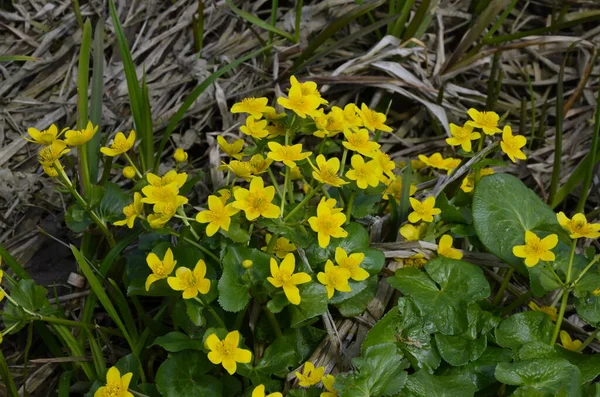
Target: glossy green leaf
<point>424,384</point>
<point>589,309</point>
<point>521,328</point>
<point>313,303</point>
<point>174,342</point>
<point>184,374</point>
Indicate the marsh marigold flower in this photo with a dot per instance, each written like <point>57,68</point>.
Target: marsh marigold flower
<point>536,249</point>
<point>254,106</point>
<point>132,211</point>
<point>364,174</point>
<point>394,189</point>
<point>328,382</point>
<point>310,375</point>
<point>180,155</point>
<point>511,145</point>
<point>49,154</point>
<point>330,124</point>
<point>161,269</point>
<point>128,172</point>
<point>171,177</point>
<point>373,120</point>
<point>119,145</point>
<point>191,282</point>
<point>468,183</point>
<point>334,278</point>
<point>417,260</point>
<point>328,223</point>
<point>116,385</point>
<point>567,342</point>
<point>300,102</point>
<point>326,171</point>
<point>385,163</point>
<point>424,210</point>
<point>254,128</point>
<point>80,137</point>
<point>288,154</point>
<point>227,352</point>
<point>231,149</point>
<point>259,164</point>
<point>549,310</point>
<point>44,137</point>
<point>412,232</point>
<point>257,201</point>
<point>351,263</point>
<point>241,169</point>
<point>445,248</point>
<point>487,121</point>
<point>359,142</point>
<point>160,194</point>
<point>308,88</point>
<point>578,226</point>
<point>353,119</point>
<point>259,391</point>
<point>218,216</point>
<point>462,136</point>
<point>283,276</point>
<point>282,247</point>
<point>437,161</point>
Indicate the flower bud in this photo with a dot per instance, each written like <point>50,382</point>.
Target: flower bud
<point>129,172</point>
<point>180,155</point>
<point>247,263</point>
<point>50,171</point>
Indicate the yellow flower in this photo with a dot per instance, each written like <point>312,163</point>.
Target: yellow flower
<point>224,195</point>
<point>445,248</point>
<point>171,177</point>
<point>190,282</point>
<point>256,201</point>
<point>394,189</point>
<point>331,204</point>
<point>310,375</point>
<point>353,120</point>
<point>468,183</point>
<point>412,232</point>
<point>435,161</point>
<point>226,352</point>
<point>450,164</point>
<point>511,145</point>
<point>241,169</point>
<point>116,385</point>
<point>578,226</point>
<point>308,88</point>
<point>50,171</point>
<point>119,145</point>
<point>596,292</point>
<point>170,206</point>
<point>283,246</point>
<point>536,249</point>
<point>259,391</point>
<point>328,223</point>
<point>160,269</point>
<point>417,260</point>
<point>259,164</point>
<point>549,310</point>
<point>328,381</point>
<point>326,171</point>
<point>568,343</point>
<point>218,215</point>
<point>129,172</point>
<point>300,103</point>
<point>334,278</point>
<point>364,174</point>
<point>132,211</point>
<point>2,293</point>
<point>180,155</point>
<point>276,128</point>
<point>423,210</point>
<point>254,106</point>
<point>462,136</point>
<point>487,121</point>
<point>273,115</point>
<point>351,263</point>
<point>80,137</point>
<point>385,163</point>
<point>288,154</point>
<point>330,124</point>
<point>49,154</point>
<point>159,194</point>
<point>231,149</point>
<point>359,142</point>
<point>256,129</point>
<point>373,120</point>
<point>284,276</point>
<point>44,137</point>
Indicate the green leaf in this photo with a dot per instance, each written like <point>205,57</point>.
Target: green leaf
<point>379,372</point>
<point>129,363</point>
<point>458,350</point>
<point>278,358</point>
<point>110,209</point>
<point>251,18</point>
<point>236,233</point>
<point>357,303</point>
<point>313,303</point>
<point>183,374</point>
<point>451,213</point>
<point>503,209</point>
<point>176,341</point>
<point>589,309</point>
<point>77,219</point>
<point>550,375</point>
<point>364,205</point>
<point>423,384</point>
<point>521,328</point>
<point>357,241</point>
<point>30,296</point>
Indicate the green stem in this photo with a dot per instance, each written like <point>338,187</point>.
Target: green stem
<point>201,248</point>
<point>560,282</point>
<point>84,168</point>
<point>273,321</point>
<point>585,270</point>
<point>503,286</point>
<point>272,243</point>
<point>137,172</point>
<point>184,218</point>
<point>212,311</point>
<point>302,203</point>
<point>274,182</point>
<point>589,340</point>
<point>250,229</point>
<point>349,209</point>
<point>285,185</point>
<point>290,190</point>
<point>343,162</point>
<point>298,20</point>
<point>565,298</point>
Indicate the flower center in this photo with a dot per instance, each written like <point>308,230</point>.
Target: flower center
<point>129,211</point>
<point>113,390</point>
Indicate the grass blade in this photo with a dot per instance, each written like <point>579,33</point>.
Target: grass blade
<point>11,58</point>
<point>259,22</point>
<point>559,132</point>
<point>418,19</point>
<point>96,98</point>
<point>124,308</point>
<point>9,382</point>
<point>83,76</point>
<point>589,174</point>
<point>64,384</point>
<point>13,264</point>
<point>97,358</point>
<point>76,349</point>
<point>400,24</point>
<point>189,101</point>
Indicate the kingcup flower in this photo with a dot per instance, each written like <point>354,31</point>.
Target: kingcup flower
<point>536,249</point>
<point>549,310</point>
<point>283,276</point>
<point>511,145</point>
<point>161,269</point>
<point>80,137</point>
<point>44,137</point>
<point>334,278</point>
<point>255,128</point>
<point>171,177</point>
<point>119,145</point>
<point>241,169</point>
<point>326,171</point>
<point>227,352</point>
<point>288,154</point>
<point>437,161</point>
<point>330,124</point>
<point>132,211</point>
<point>218,216</point>
<point>412,232</point>
<point>253,106</point>
<point>359,142</point>
<point>257,201</point>
<point>364,174</point>
<point>328,223</point>
<point>310,375</point>
<point>353,119</point>
<point>191,282</point>
<point>328,382</point>
<point>231,149</point>
<point>259,164</point>
<point>385,164</point>
<point>468,183</point>
<point>351,263</point>
<point>578,226</point>
<point>259,391</point>
<point>302,99</point>
<point>394,189</point>
<point>116,385</point>
<point>373,120</point>
<point>51,153</point>
<point>424,211</point>
<point>445,248</point>
<point>417,260</point>
<point>568,343</point>
<point>282,247</point>
<point>487,121</point>
<point>180,155</point>
<point>462,136</point>
<point>308,88</point>
<point>129,172</point>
